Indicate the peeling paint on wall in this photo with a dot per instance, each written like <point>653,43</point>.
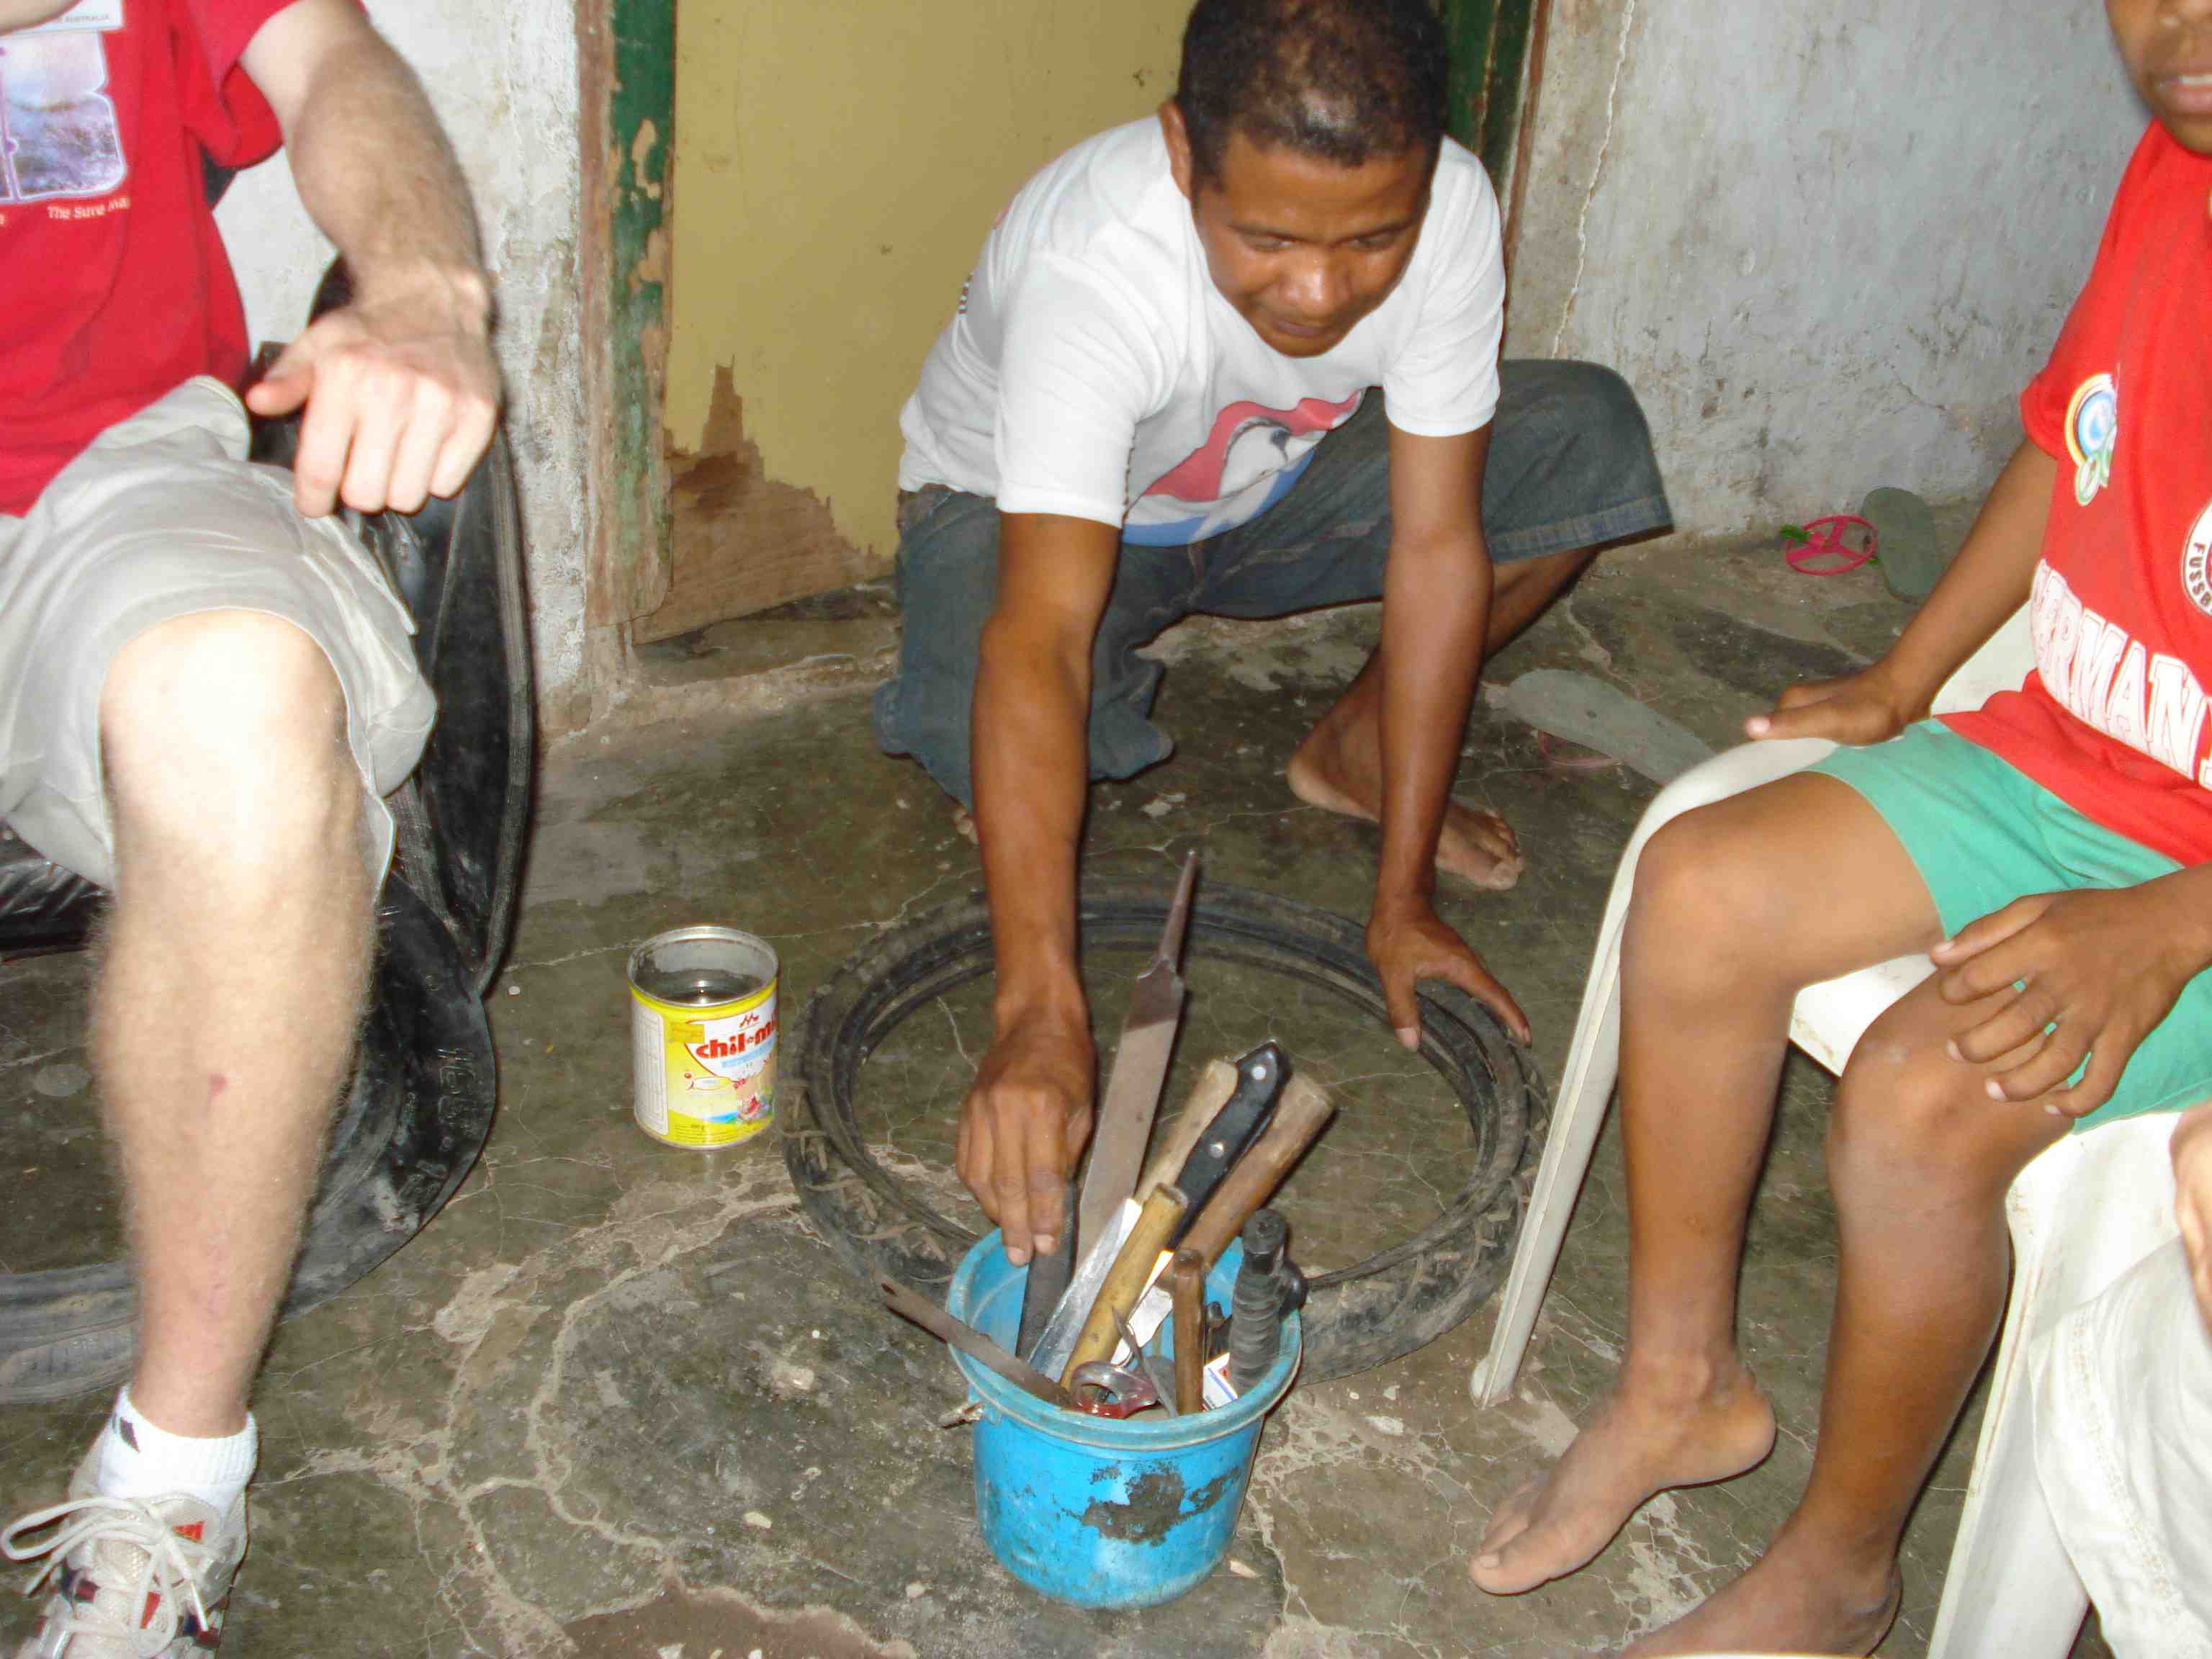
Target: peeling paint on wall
<point>743,541</point>
<point>839,166</point>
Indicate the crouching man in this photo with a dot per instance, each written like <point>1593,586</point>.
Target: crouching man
<point>1160,396</point>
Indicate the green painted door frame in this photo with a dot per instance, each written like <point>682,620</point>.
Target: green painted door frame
<point>1490,44</point>
<point>627,60</point>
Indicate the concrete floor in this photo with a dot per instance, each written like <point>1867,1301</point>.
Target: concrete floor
<point>617,1400</point>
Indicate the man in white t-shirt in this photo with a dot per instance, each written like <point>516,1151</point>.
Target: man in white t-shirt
<point>1160,396</point>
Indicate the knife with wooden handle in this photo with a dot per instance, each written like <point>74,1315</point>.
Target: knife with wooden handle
<point>1126,1280</point>
<point>1299,1117</point>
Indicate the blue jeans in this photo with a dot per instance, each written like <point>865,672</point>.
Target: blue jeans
<point>1570,466</point>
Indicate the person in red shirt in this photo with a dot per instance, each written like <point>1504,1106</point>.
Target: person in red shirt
<point>2051,851</point>
<point>205,688</point>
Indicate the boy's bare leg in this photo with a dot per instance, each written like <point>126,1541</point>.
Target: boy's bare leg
<point>225,1007</point>
<point>1919,1158</point>
<point>1338,767</point>
<point>1737,906</point>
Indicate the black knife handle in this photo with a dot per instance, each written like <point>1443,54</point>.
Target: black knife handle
<point>1260,1077</point>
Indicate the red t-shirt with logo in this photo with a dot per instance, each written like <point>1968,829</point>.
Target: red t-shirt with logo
<point>2114,721</point>
<point>113,283</point>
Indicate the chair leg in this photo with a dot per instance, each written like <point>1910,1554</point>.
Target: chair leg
<point>2010,1588</point>
<point>2081,1214</point>
<point>1593,1062</point>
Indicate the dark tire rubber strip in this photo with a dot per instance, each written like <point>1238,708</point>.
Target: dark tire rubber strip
<point>1359,1316</point>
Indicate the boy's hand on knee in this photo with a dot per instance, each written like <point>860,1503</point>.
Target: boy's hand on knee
<point>2192,1201</point>
<point>2070,976</point>
<point>1408,942</point>
<point>1023,1126</point>
<point>1857,708</point>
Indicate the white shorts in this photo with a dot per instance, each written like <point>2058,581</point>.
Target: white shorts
<point>2124,1446</point>
<point>162,516</point>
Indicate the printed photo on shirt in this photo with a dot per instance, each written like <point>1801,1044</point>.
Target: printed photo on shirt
<point>58,134</point>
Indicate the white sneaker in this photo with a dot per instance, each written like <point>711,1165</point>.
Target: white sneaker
<point>134,1578</point>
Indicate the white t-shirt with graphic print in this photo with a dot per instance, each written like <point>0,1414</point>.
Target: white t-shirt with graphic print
<point>1093,370</point>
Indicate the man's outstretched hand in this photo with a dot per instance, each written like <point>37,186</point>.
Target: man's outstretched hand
<point>401,395</point>
<point>1023,1126</point>
<point>1408,942</point>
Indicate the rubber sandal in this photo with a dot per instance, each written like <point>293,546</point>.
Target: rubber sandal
<point>1828,546</point>
<point>1912,559</point>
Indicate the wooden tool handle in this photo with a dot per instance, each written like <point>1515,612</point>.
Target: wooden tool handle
<point>1206,1098</point>
<point>1127,1279</point>
<point>1187,1280</point>
<point>1297,1119</point>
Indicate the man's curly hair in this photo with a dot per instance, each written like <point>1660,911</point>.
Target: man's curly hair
<point>1345,80</point>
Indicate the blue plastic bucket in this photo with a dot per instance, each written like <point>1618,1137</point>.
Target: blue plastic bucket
<point>1089,1510</point>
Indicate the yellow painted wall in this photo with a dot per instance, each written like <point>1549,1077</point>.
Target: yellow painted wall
<point>837,165</point>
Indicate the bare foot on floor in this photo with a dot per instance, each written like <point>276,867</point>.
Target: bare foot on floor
<point>1637,1445</point>
<point>1796,1598</point>
<point>1476,845</point>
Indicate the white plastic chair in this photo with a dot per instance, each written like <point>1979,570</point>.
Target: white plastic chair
<point>2081,1214</point>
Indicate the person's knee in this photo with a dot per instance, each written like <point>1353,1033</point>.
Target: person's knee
<point>228,727</point>
<point>1703,899</point>
<point>1909,1122</point>
<point>1608,416</point>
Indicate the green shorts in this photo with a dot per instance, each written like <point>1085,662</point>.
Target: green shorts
<point>1982,834</point>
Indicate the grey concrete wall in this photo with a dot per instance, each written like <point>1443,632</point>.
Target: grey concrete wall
<point>1826,247</point>
<point>503,79</point>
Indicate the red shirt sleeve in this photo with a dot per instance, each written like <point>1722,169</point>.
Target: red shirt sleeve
<point>236,125</point>
<point>2043,405</point>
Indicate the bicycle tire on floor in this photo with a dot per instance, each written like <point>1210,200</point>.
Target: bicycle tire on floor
<point>1357,1317</point>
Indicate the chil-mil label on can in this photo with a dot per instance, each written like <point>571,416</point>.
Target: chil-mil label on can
<point>703,1030</point>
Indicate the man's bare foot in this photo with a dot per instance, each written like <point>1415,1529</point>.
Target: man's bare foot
<point>1797,1598</point>
<point>1640,1441</point>
<point>1476,845</point>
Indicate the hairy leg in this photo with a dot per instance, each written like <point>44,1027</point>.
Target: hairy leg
<point>231,984</point>
<point>1919,1158</point>
<point>1737,908</point>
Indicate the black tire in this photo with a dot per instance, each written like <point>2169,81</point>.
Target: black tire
<point>419,1113</point>
<point>1359,1316</point>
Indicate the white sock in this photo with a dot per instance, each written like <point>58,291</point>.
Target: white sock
<point>138,1460</point>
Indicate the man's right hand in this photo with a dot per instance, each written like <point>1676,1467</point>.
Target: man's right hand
<point>1867,706</point>
<point>1024,1124</point>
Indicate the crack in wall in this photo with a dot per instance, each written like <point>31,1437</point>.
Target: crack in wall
<point>1597,173</point>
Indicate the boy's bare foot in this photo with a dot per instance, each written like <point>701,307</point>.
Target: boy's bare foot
<point>1797,1598</point>
<point>1476,845</point>
<point>1641,1440</point>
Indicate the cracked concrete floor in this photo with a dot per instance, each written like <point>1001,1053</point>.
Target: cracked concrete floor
<point>617,1401</point>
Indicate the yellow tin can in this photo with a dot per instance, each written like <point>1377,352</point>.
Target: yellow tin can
<point>703,1028</point>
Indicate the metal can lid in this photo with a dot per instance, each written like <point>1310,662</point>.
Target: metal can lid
<point>704,946</point>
